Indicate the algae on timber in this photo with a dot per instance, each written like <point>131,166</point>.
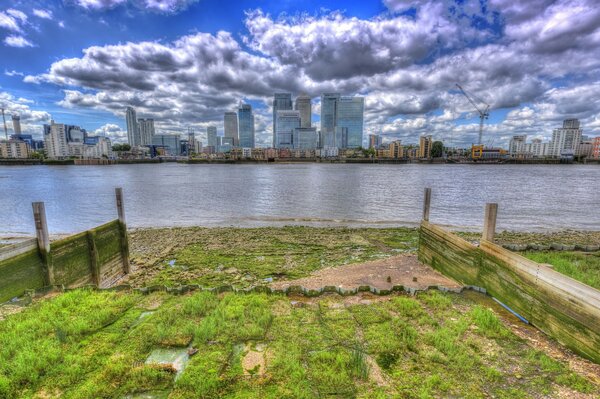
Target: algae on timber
<point>87,344</point>
<point>252,256</point>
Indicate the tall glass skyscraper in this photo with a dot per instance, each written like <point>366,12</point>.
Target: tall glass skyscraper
<point>281,102</point>
<point>303,105</point>
<point>329,103</point>
<point>246,126</point>
<point>287,122</point>
<point>349,122</point>
<point>146,131</point>
<point>231,127</point>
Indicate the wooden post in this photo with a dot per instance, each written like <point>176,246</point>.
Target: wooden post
<point>489,222</point>
<point>43,240</point>
<point>94,258</point>
<point>123,226</point>
<point>426,204</point>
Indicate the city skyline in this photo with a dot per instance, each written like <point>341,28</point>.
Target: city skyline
<point>536,65</point>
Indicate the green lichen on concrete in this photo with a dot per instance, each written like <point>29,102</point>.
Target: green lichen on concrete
<point>19,274</point>
<point>94,344</point>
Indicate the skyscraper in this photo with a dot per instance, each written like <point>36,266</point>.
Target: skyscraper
<point>133,136</point>
<point>231,127</point>
<point>146,131</point>
<point>349,122</point>
<point>16,121</point>
<point>329,103</point>
<point>303,105</point>
<point>305,138</point>
<point>287,122</point>
<point>211,136</point>
<point>246,126</point>
<point>281,102</point>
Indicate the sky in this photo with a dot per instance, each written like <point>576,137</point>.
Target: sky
<point>186,62</point>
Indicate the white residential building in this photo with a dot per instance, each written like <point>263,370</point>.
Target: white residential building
<point>146,131</point>
<point>565,139</point>
<point>55,141</point>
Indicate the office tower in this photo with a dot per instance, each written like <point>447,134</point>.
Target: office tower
<point>16,121</point>
<point>303,105</point>
<point>305,138</point>
<point>287,122</point>
<point>566,140</point>
<point>329,102</point>
<point>146,131</point>
<point>281,102</point>
<point>425,143</point>
<point>133,136</point>
<point>375,141</point>
<point>211,136</point>
<point>231,127</point>
<point>349,122</point>
<point>246,126</point>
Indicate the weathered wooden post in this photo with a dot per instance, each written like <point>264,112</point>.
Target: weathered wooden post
<point>426,204</point>
<point>94,258</point>
<point>489,222</point>
<point>123,228</point>
<point>43,239</point>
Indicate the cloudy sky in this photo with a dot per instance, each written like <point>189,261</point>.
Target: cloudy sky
<point>186,62</point>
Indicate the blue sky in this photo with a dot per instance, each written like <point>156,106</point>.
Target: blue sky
<point>185,62</point>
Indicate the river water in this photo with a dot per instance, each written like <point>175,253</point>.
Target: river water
<point>530,197</point>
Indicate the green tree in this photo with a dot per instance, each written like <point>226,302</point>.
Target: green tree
<point>437,149</point>
<point>121,147</point>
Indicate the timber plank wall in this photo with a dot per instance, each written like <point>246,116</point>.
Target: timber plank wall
<point>96,256</point>
<point>560,306</point>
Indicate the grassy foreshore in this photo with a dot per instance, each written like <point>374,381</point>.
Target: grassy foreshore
<point>95,344</point>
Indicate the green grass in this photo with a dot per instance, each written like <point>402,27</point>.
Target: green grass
<point>582,266</point>
<point>93,344</point>
<point>245,257</point>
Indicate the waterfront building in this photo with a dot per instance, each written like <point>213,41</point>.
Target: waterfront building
<point>425,144</point>
<point>247,152</point>
<point>329,102</point>
<point>97,147</point>
<point>14,148</point>
<point>585,147</point>
<point>329,152</point>
<point>537,148</point>
<point>305,137</point>
<point>281,102</point>
<point>16,121</point>
<point>375,141</point>
<point>33,144</point>
<point>133,135</point>
<point>286,123</point>
<point>304,106</point>
<point>226,145</point>
<point>596,147</point>
<point>246,126</point>
<point>395,149</point>
<point>146,131</point>
<point>195,146</point>
<point>231,127</point>
<point>565,140</point>
<point>169,144</point>
<point>55,140</point>
<point>517,145</point>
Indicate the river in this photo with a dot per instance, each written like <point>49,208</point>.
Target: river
<point>530,197</point>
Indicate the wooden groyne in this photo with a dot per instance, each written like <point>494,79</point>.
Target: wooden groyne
<point>99,256</point>
<point>560,306</point>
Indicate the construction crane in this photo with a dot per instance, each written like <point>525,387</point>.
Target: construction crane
<point>4,120</point>
<point>484,112</point>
